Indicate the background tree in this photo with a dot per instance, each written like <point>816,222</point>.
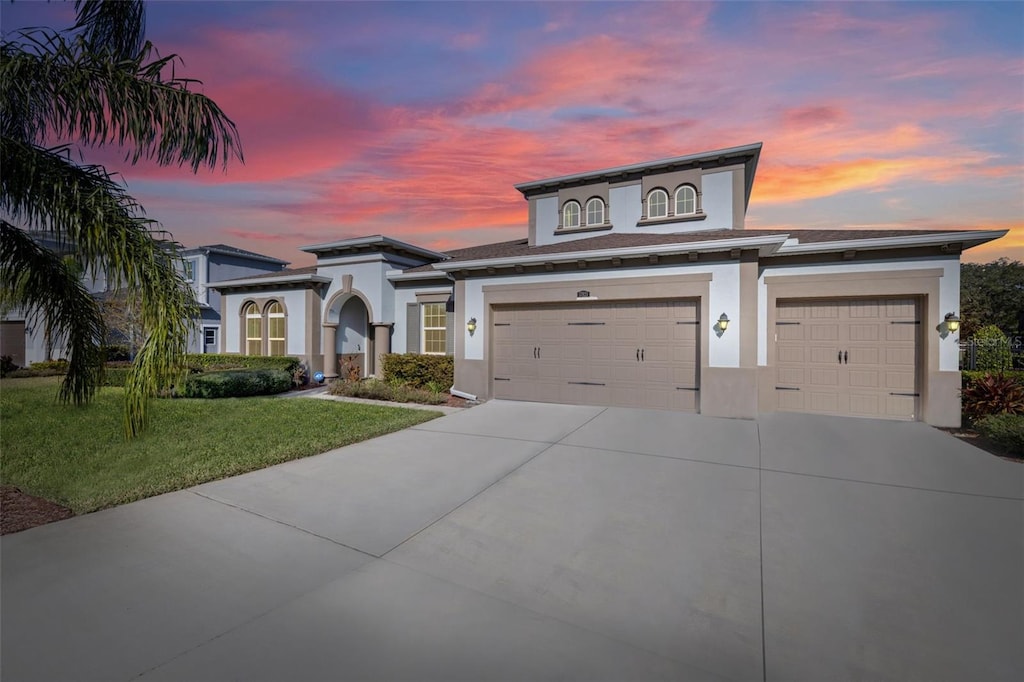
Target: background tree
<point>98,84</point>
<point>991,294</point>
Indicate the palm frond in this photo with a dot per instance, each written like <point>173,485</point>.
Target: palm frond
<point>56,88</point>
<point>41,282</point>
<point>117,27</point>
<point>44,190</point>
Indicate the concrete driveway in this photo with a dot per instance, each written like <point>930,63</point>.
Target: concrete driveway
<point>523,541</point>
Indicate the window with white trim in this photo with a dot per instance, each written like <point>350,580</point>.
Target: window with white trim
<point>253,330</point>
<point>595,212</point>
<point>435,323</point>
<point>209,337</point>
<point>657,204</point>
<point>188,270</point>
<point>275,329</point>
<point>571,214</point>
<point>686,200</point>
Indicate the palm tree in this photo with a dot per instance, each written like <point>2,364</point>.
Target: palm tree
<point>99,84</point>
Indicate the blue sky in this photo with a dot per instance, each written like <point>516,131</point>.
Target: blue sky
<point>415,119</point>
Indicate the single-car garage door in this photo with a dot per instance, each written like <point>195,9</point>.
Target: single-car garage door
<point>630,354</point>
<point>854,357</point>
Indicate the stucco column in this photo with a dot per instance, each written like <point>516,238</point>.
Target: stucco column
<point>381,346</point>
<point>330,351</point>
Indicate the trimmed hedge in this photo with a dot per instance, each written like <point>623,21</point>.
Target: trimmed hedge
<point>1005,430</point>
<point>418,371</point>
<point>115,376</point>
<point>235,383</point>
<point>206,362</point>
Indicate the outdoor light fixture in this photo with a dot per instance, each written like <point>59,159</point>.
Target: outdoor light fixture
<point>952,322</point>
<point>471,325</point>
<point>723,322</point>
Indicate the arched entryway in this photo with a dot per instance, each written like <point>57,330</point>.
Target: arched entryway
<point>348,337</point>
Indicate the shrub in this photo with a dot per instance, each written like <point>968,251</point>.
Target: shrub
<point>375,389</point>
<point>116,353</point>
<point>7,365</point>
<point>205,362</point>
<point>235,383</point>
<point>419,370</point>
<point>993,394</point>
<point>59,366</point>
<point>970,376</point>
<point>115,376</point>
<point>1005,430</point>
<point>993,349</point>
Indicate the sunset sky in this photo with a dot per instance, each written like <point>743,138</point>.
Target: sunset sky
<point>414,120</point>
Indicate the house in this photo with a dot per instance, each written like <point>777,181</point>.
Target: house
<point>204,264</point>
<point>639,286</point>
<point>24,336</point>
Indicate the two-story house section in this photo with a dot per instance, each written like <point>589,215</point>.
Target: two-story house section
<point>211,263</point>
<point>641,286</point>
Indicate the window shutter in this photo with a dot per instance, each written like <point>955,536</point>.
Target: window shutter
<point>412,327</point>
<point>449,334</point>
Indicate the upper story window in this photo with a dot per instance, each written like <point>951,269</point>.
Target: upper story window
<point>657,204</point>
<point>189,269</point>
<point>275,329</point>
<point>253,329</point>
<point>571,214</point>
<point>686,200</point>
<point>595,212</point>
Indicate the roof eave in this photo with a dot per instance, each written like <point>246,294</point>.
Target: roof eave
<point>268,281</point>
<point>551,184</point>
<point>967,238</point>
<point>765,246</point>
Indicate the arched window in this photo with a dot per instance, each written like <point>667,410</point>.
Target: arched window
<point>595,212</point>
<point>253,330</point>
<point>657,204</point>
<point>571,214</point>
<point>686,200</point>
<point>275,329</point>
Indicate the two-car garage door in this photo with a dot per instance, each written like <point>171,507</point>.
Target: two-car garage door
<point>855,357</point>
<point>632,353</point>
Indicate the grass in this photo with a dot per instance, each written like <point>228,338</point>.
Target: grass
<point>77,457</point>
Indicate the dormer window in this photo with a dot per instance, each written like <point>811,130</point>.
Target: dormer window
<point>657,204</point>
<point>686,200</point>
<point>595,212</point>
<point>571,215</point>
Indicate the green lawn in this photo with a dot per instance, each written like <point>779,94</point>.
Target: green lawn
<point>77,456</point>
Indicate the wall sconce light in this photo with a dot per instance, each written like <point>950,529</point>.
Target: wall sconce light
<point>723,322</point>
<point>952,322</point>
<point>471,326</point>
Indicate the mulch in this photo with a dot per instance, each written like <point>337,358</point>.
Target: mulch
<point>19,511</point>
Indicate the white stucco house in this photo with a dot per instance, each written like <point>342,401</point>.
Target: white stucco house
<point>639,286</point>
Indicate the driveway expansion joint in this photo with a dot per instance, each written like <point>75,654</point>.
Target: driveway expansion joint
<point>283,523</point>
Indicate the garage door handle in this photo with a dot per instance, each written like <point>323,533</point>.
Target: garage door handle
<point>638,355</point>
<point>909,395</point>
<point>846,357</point>
<point>840,358</point>
<point>642,350</point>
<point>585,383</point>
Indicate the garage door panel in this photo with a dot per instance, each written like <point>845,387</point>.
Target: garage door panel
<point>626,353</point>
<point>848,356</point>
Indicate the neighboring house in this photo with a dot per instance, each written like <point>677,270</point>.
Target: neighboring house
<point>639,286</point>
<point>26,339</point>
<point>214,262</point>
<point>24,336</point>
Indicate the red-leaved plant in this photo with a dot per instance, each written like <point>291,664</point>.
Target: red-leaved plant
<point>993,394</point>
